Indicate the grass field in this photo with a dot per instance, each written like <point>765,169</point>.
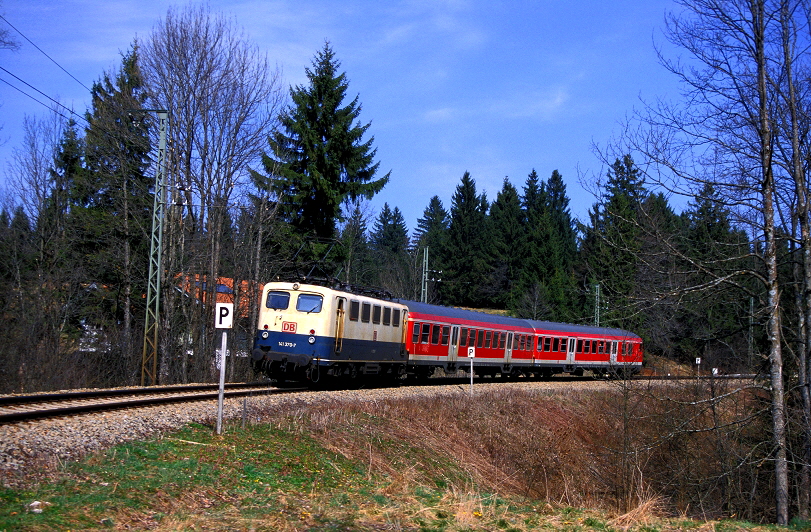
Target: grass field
<point>440,464</point>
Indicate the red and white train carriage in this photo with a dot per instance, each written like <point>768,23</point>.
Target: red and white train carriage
<point>309,332</point>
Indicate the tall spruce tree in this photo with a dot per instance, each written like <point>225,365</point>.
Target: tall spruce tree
<point>357,267</point>
<point>389,245</point>
<point>319,154</point>
<point>431,234</point>
<point>508,237</point>
<point>611,245</point>
<point>467,254</point>
<point>112,204</point>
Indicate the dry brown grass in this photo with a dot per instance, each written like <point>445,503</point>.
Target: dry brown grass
<point>597,449</point>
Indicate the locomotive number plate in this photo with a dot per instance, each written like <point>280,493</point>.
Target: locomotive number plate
<point>289,326</point>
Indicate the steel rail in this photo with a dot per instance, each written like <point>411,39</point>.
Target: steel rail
<point>168,395</point>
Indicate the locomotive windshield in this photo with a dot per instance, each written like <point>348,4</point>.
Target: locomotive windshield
<point>309,303</point>
<point>278,300</point>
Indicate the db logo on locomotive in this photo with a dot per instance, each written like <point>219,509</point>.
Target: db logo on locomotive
<point>289,326</point>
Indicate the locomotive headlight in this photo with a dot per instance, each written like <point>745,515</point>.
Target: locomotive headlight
<point>311,339</point>
<point>265,335</point>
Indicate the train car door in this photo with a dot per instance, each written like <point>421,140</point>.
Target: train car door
<point>613,352</point>
<point>571,351</point>
<point>508,350</point>
<point>453,345</point>
<point>339,323</point>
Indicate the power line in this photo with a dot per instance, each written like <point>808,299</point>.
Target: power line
<point>39,102</point>
<point>71,111</point>
<point>43,53</point>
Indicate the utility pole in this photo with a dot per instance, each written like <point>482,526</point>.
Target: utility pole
<point>597,305</point>
<point>424,292</point>
<point>149,358</point>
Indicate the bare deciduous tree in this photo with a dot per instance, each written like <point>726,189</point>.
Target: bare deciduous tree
<point>223,98</point>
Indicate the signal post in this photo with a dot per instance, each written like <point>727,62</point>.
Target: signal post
<point>223,319</point>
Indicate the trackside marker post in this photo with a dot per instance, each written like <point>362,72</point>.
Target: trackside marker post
<point>223,319</point>
<point>471,354</point>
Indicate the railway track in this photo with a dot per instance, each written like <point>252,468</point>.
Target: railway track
<point>16,408</point>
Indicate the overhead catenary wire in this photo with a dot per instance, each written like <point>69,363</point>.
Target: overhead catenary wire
<point>4,19</point>
<point>69,110</point>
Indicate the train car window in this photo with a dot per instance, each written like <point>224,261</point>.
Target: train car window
<point>395,317</point>
<point>564,344</point>
<point>502,340</point>
<point>365,312</point>
<point>435,334</point>
<point>488,337</point>
<point>556,344</point>
<point>415,334</point>
<point>547,344</point>
<point>587,346</point>
<point>376,310</point>
<point>354,310</point>
<point>539,343</point>
<point>614,347</point>
<point>446,334</point>
<point>386,315</point>
<point>580,346</point>
<point>522,343</point>
<point>471,337</point>
<point>278,300</point>
<point>480,339</point>
<point>309,303</point>
<point>426,332</point>
<point>463,337</point>
<point>515,341</point>
<point>600,347</point>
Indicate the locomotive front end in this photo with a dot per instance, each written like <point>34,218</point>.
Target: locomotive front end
<point>296,331</point>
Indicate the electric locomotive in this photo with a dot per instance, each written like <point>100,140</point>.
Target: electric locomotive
<point>308,332</point>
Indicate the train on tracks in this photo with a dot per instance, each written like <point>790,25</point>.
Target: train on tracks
<point>316,334</point>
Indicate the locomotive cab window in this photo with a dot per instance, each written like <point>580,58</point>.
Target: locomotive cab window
<point>309,303</point>
<point>354,310</point>
<point>278,300</point>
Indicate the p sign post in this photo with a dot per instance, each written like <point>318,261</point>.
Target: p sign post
<point>223,319</point>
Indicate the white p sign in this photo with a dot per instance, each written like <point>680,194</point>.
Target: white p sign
<point>224,316</point>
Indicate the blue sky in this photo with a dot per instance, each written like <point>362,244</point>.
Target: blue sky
<point>495,88</point>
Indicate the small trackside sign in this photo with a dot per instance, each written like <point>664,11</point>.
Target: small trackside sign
<point>224,316</point>
<point>471,352</point>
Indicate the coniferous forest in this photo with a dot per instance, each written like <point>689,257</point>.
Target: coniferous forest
<point>265,180</point>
